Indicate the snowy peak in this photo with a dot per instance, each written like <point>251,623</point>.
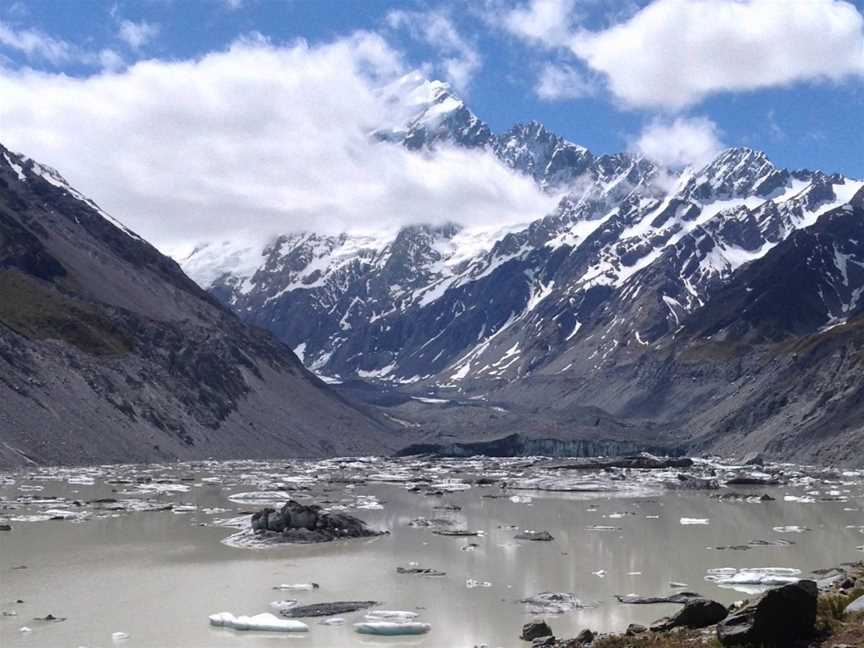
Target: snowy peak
<point>536,151</point>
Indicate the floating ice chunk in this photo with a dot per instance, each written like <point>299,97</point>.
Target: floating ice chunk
<point>297,587</point>
<point>24,629</point>
<point>391,615</point>
<point>554,603</point>
<point>119,636</point>
<point>761,576</point>
<point>521,499</point>
<point>804,499</point>
<point>283,605</point>
<point>333,621</point>
<point>694,521</point>
<point>265,622</point>
<point>600,573</point>
<point>792,528</point>
<point>472,583</point>
<point>391,628</point>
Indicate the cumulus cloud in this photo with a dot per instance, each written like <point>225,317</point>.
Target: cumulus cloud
<point>547,22</point>
<point>684,141</point>
<point>672,54</point>
<point>559,82</point>
<point>251,142</point>
<point>136,35</point>
<point>461,60</point>
<point>35,44</point>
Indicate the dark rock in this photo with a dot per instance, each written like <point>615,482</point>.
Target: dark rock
<point>537,536</point>
<point>635,629</point>
<point>689,482</point>
<point>680,597</point>
<point>5,527</point>
<point>776,618</point>
<point>534,629</point>
<point>750,480</point>
<point>545,642</point>
<point>420,571</point>
<point>585,637</point>
<point>326,609</point>
<point>299,523</point>
<point>698,613</point>
<point>456,533</point>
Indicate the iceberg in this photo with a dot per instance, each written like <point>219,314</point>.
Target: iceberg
<point>391,628</point>
<point>262,622</point>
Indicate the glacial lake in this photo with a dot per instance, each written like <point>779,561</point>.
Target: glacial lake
<point>156,575</point>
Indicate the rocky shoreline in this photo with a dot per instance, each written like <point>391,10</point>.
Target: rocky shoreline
<point>824,613</point>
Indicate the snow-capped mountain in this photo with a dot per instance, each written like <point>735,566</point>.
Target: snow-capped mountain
<point>629,253</point>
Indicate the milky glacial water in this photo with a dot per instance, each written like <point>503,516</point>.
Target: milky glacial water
<point>157,575</point>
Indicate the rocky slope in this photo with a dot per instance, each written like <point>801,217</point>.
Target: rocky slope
<point>109,353</point>
<point>579,326</point>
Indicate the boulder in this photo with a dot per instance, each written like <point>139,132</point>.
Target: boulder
<point>300,523</point>
<point>634,629</point>
<point>776,618</point>
<point>698,613</point>
<point>855,606</point>
<point>535,629</point>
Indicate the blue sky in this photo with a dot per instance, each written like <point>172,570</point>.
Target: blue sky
<point>178,115</point>
<point>812,123</point>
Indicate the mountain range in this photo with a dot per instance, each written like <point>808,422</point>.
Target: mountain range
<point>715,307</point>
<point>712,309</point>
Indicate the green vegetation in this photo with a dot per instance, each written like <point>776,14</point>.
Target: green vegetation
<point>39,311</point>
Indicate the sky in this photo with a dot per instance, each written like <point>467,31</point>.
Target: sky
<point>194,120</point>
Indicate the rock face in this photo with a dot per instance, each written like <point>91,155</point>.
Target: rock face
<point>302,524</point>
<point>777,618</point>
<point>110,353</point>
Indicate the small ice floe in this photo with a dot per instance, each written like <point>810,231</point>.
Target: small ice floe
<point>521,499</point>
<point>184,508</point>
<point>283,605</point>
<point>390,628</point>
<point>600,573</point>
<point>554,603</point>
<point>803,499</point>
<point>368,503</point>
<point>260,498</point>
<point>297,587</point>
<point>694,521</point>
<point>792,528</point>
<point>471,583</point>
<point>600,527</point>
<point>265,622</point>
<point>24,629</point>
<point>391,615</point>
<point>333,621</point>
<point>752,578</point>
<point>634,573</point>
<point>677,585</point>
<point>119,636</point>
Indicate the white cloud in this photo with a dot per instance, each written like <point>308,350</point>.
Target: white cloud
<point>110,60</point>
<point>461,60</point>
<point>558,82</point>
<point>681,142</point>
<point>35,44</point>
<point>136,35</point>
<point>674,53</point>
<point>252,142</point>
<point>547,22</point>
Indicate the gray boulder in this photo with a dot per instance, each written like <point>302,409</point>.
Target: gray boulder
<point>855,606</point>
<point>776,618</point>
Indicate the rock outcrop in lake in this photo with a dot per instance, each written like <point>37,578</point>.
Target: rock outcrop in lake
<point>302,524</point>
